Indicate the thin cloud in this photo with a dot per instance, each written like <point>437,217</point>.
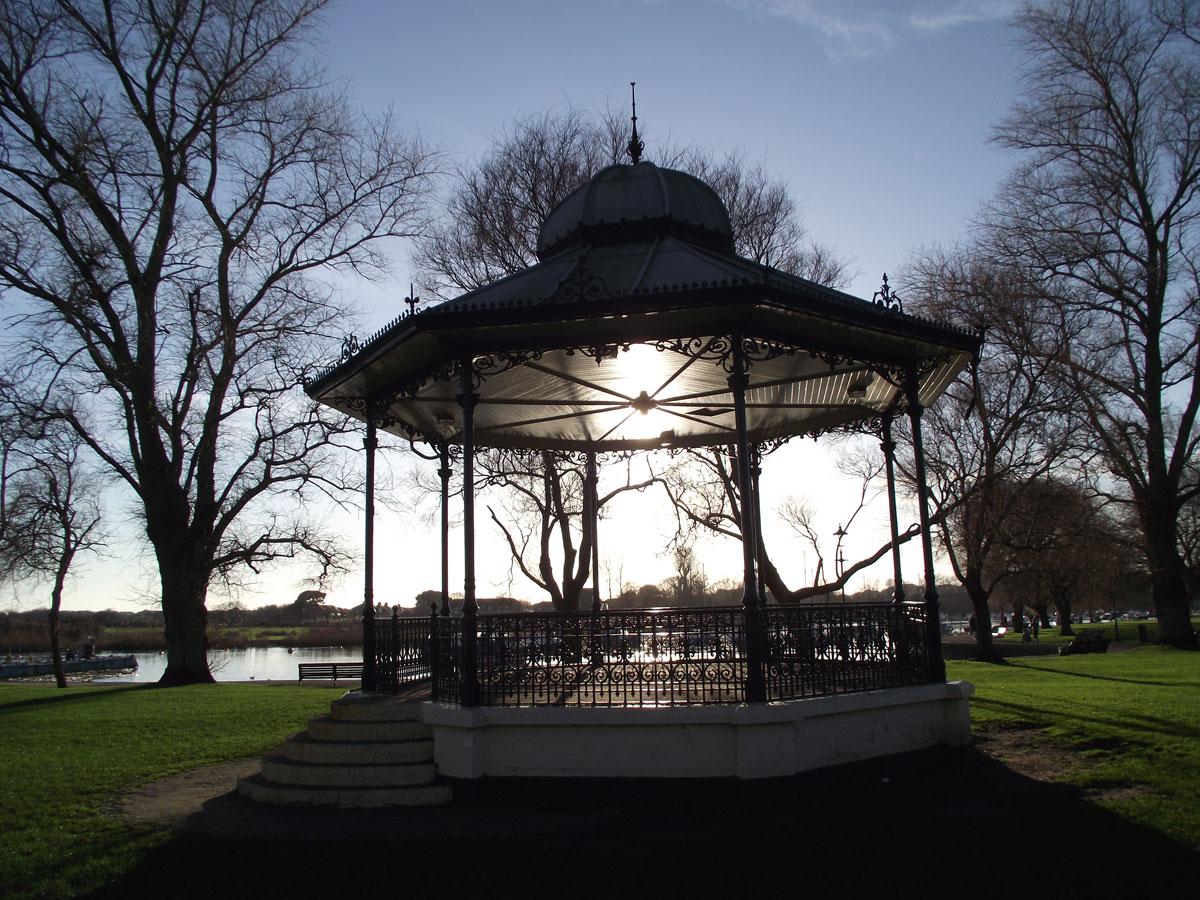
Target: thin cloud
<point>941,16</point>
<point>863,28</point>
<point>843,27</point>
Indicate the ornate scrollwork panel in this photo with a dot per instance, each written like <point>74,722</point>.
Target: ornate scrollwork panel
<point>760,350</point>
<point>713,349</point>
<point>581,284</point>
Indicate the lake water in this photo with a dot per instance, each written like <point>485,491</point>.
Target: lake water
<point>251,664</point>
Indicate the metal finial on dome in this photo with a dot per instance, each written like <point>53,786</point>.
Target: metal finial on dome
<point>887,298</point>
<point>411,300</point>
<point>636,144</point>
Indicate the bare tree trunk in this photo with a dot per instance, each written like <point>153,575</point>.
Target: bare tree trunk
<point>1064,617</point>
<point>185,618</point>
<point>1169,590</point>
<point>60,677</point>
<point>1018,615</point>
<point>66,554</point>
<point>772,579</point>
<point>985,649</point>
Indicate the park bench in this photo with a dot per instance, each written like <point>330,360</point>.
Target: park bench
<point>334,670</point>
<point>1086,642</point>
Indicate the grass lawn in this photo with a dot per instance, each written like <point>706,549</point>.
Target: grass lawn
<point>63,755</point>
<point>1123,726</point>
<point>1088,785</point>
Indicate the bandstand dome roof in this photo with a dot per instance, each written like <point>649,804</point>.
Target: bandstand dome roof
<point>622,201</point>
<point>619,337</point>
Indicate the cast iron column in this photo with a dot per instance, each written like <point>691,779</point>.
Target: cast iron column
<point>467,399</point>
<point>369,676</point>
<point>760,547</point>
<point>444,474</point>
<point>739,379</point>
<point>593,499</point>
<point>933,630</point>
<point>434,653</point>
<point>889,459</point>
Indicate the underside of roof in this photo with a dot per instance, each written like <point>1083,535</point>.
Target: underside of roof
<point>628,345</point>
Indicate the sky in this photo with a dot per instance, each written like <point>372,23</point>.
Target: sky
<point>877,115</point>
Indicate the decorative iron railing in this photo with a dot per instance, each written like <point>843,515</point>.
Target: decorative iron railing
<point>446,633</point>
<point>658,657</point>
<point>673,657</point>
<point>825,649</point>
<point>401,652</point>
<point>655,657</point>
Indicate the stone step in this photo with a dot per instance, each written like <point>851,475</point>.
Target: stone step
<point>327,728</point>
<point>303,748</point>
<point>359,707</point>
<point>279,769</point>
<point>263,790</point>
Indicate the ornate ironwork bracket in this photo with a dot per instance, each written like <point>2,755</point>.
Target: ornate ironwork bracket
<point>581,283</point>
<point>767,447</point>
<point>600,352</point>
<point>760,350</point>
<point>493,364</point>
<point>714,349</point>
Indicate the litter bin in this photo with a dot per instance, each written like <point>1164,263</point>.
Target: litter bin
<point>1143,635</point>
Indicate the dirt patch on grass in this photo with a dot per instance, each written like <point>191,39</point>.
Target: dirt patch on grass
<point>170,801</point>
<point>1029,751</point>
<point>1117,792</point>
<point>1103,745</point>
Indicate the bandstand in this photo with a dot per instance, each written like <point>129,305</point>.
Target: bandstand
<point>641,329</point>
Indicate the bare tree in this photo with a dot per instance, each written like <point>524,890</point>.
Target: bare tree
<point>1189,541</point>
<point>1061,549</point>
<point>546,518</point>
<point>704,494</point>
<point>800,517</point>
<point>172,179</point>
<point>689,585</point>
<point>1000,429</point>
<point>49,507</point>
<point>1180,17</point>
<point>1102,211</point>
<point>495,208</point>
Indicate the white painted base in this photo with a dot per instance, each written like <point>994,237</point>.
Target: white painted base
<point>764,740</point>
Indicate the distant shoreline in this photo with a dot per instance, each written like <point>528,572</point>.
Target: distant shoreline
<point>28,641</point>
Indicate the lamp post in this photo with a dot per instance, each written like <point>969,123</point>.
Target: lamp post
<point>839,560</point>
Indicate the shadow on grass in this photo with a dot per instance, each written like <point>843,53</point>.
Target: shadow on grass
<point>1055,717</point>
<point>1140,681</point>
<point>83,863</point>
<point>73,695</point>
<point>975,828</point>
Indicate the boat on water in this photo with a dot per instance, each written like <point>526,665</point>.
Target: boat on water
<point>43,665</point>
